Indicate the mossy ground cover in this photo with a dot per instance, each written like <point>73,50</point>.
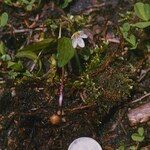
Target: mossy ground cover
<point>97,82</point>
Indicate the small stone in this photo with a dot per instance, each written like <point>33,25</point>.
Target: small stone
<point>55,119</point>
<point>13,92</point>
<point>63,119</point>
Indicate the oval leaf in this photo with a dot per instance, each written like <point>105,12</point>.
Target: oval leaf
<point>36,47</point>
<point>17,66</point>
<point>5,57</point>
<point>142,11</point>
<point>3,19</point>
<point>27,54</point>
<point>65,51</point>
<point>2,48</point>
<point>141,131</point>
<point>126,26</point>
<point>141,25</point>
<point>136,137</point>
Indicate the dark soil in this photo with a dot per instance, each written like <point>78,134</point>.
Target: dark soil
<point>27,105</point>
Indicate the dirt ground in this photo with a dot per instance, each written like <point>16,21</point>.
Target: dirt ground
<point>26,108</point>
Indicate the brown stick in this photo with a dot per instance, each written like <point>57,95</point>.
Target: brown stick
<point>139,99</point>
<point>140,114</point>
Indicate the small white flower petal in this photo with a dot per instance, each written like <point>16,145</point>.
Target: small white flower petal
<point>74,42</point>
<point>80,42</point>
<point>83,35</point>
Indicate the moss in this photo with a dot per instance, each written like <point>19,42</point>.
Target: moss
<point>111,84</point>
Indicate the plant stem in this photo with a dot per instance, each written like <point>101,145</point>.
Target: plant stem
<point>61,88</point>
<point>78,61</point>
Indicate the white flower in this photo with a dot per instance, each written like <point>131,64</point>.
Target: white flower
<point>77,39</point>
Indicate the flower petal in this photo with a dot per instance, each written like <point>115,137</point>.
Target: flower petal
<point>74,42</point>
<point>83,35</point>
<point>80,42</point>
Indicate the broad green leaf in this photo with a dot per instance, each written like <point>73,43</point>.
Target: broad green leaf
<point>132,39</point>
<point>3,19</point>
<point>141,25</point>
<point>2,48</point>
<point>126,27</point>
<point>125,34</point>
<point>36,47</point>
<point>142,10</point>
<point>65,51</point>
<point>136,137</point>
<point>30,55</point>
<point>17,66</point>
<point>141,131</point>
<point>27,54</point>
<point>27,73</point>
<point>5,57</point>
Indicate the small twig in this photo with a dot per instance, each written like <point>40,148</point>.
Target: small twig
<point>59,36</point>
<point>35,62</point>
<point>139,99</point>
<point>81,107</point>
<point>143,75</point>
<point>15,31</point>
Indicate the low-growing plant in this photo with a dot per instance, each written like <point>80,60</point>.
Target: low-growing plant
<point>142,11</point>
<point>14,67</point>
<point>3,19</point>
<point>27,4</point>
<point>136,137</point>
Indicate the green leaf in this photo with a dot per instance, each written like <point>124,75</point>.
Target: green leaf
<point>27,54</point>
<point>66,3</point>
<point>125,34</point>
<point>136,137</point>
<point>12,74</point>
<point>141,25</point>
<point>126,27</point>
<point>132,39</point>
<point>3,19</point>
<point>122,147</point>
<point>6,57</point>
<point>65,51</point>
<point>36,47</point>
<point>141,131</point>
<point>2,48</point>
<point>17,66</point>
<point>133,148</point>
<point>30,55</point>
<point>29,7</point>
<point>27,73</point>
<point>142,11</point>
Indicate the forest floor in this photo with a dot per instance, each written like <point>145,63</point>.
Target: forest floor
<point>27,105</point>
